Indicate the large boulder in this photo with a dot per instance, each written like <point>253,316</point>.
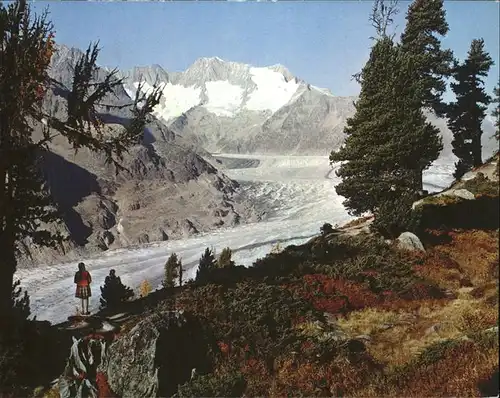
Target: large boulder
<point>460,193</point>
<point>157,355</point>
<point>410,241</point>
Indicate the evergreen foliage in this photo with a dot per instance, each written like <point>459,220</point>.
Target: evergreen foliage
<point>425,22</point>
<point>496,111</point>
<point>466,114</point>
<point>171,271</point>
<point>207,263</point>
<point>114,293</point>
<point>26,48</point>
<point>21,302</point>
<point>389,142</point>
<point>180,272</point>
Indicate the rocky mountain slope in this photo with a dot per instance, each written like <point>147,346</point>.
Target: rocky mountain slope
<point>170,192</point>
<point>237,108</point>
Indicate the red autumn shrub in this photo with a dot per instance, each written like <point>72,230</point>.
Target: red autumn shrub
<point>422,291</point>
<point>103,388</point>
<point>224,348</point>
<point>334,294</point>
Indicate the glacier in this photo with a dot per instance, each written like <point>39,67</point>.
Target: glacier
<point>299,192</point>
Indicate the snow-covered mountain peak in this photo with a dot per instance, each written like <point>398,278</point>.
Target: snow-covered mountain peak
<point>222,88</point>
<point>283,70</point>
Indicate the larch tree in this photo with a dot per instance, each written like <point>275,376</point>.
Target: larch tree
<point>466,114</point>
<point>224,260</point>
<point>26,48</point>
<point>425,24</point>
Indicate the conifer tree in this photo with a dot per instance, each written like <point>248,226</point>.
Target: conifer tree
<point>114,293</point>
<point>496,110</point>
<point>26,48</point>
<point>179,263</point>
<point>224,260</point>
<point>425,22</point>
<point>389,142</point>
<point>206,264</point>
<point>171,271</point>
<point>21,301</point>
<point>466,114</point>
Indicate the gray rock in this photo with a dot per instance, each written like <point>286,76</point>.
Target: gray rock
<point>410,241</point>
<point>416,204</point>
<point>462,193</point>
<point>108,238</point>
<point>387,326</point>
<point>433,329</point>
<point>158,235</point>
<point>188,226</point>
<point>143,238</point>
<point>155,356</point>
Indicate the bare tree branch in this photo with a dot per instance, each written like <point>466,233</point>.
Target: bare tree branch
<point>383,15</point>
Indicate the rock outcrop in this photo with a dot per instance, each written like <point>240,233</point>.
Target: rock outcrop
<point>156,355</point>
<point>161,195</point>
<point>409,241</point>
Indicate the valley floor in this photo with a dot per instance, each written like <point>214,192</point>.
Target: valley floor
<point>297,193</point>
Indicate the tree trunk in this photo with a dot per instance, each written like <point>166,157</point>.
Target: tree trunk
<point>7,269</point>
<point>7,254</point>
<point>476,150</point>
<point>418,184</point>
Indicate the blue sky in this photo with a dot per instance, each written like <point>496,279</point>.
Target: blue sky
<point>323,43</point>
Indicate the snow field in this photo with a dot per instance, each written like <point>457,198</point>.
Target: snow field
<point>272,90</point>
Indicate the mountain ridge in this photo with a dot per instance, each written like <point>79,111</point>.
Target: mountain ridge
<point>103,210</point>
<point>233,107</point>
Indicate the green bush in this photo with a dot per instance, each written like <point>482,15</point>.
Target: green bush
<point>326,229</point>
<point>395,217</point>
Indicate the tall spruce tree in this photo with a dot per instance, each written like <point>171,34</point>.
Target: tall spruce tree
<point>389,142</point>
<point>496,110</point>
<point>466,114</point>
<point>26,48</point>
<point>425,22</point>
<point>368,133</point>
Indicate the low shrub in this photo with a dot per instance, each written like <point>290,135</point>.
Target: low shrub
<point>476,320</point>
<point>447,368</point>
<point>334,295</point>
<point>213,385</point>
<point>481,185</point>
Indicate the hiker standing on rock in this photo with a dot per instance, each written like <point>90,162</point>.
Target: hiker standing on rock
<point>83,281</point>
